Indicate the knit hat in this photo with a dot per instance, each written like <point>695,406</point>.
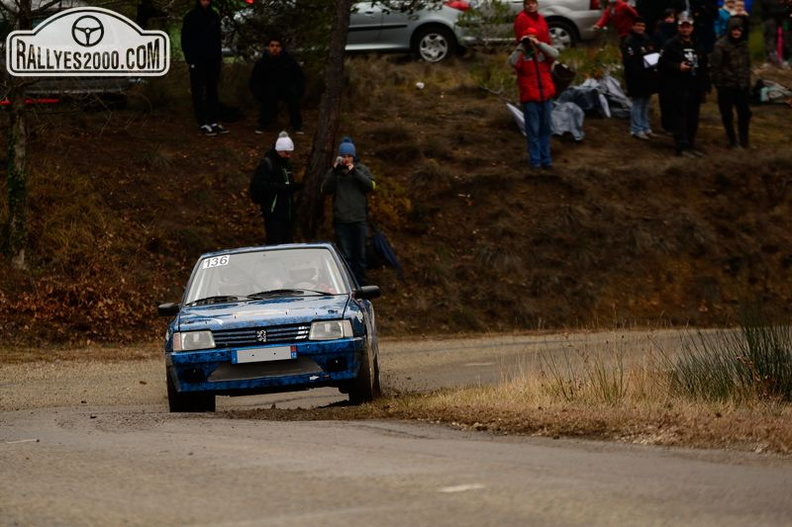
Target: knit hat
<point>284,143</point>
<point>346,148</point>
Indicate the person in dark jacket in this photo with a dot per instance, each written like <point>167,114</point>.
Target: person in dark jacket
<point>532,61</point>
<point>640,78</point>
<point>349,182</point>
<point>272,187</point>
<point>201,44</point>
<point>704,14</point>
<point>277,76</point>
<point>684,67</point>
<point>730,67</point>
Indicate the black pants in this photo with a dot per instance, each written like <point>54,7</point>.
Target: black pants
<point>204,80</point>
<point>730,99</point>
<point>351,241</point>
<point>278,230</point>
<point>269,108</point>
<point>684,120</point>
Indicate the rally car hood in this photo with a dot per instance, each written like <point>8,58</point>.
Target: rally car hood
<point>263,312</point>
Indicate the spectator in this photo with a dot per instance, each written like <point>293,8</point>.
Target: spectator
<point>776,21</point>
<point>529,17</point>
<point>724,14</point>
<point>277,76</point>
<point>730,66</point>
<point>665,29</point>
<point>349,182</point>
<point>640,78</point>
<point>200,42</point>
<point>272,187</point>
<point>620,14</point>
<point>742,14</point>
<point>704,13</point>
<point>146,11</point>
<point>683,64</point>
<point>653,11</point>
<point>532,61</point>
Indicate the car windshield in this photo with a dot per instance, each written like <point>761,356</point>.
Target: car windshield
<point>265,274</point>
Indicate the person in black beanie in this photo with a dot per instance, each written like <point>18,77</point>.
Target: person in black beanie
<point>201,44</point>
<point>277,76</point>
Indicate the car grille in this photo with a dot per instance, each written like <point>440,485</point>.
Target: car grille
<point>238,338</point>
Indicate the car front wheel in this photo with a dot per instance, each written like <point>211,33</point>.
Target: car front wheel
<point>434,44</point>
<point>187,402</point>
<point>366,387</point>
<point>562,34</point>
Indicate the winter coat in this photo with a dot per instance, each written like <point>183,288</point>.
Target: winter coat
<point>274,75</point>
<point>730,62</point>
<point>684,85</point>
<point>272,186</point>
<point>201,38</point>
<point>349,189</point>
<point>534,77</point>
<point>523,21</point>
<point>621,15</point>
<point>640,80</point>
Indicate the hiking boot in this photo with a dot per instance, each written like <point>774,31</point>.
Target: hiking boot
<point>641,135</point>
<point>208,131</point>
<point>219,129</point>
<point>259,131</point>
<point>697,153</point>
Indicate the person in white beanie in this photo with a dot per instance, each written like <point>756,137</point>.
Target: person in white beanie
<point>272,187</point>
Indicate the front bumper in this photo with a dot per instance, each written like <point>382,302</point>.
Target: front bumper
<point>317,364</point>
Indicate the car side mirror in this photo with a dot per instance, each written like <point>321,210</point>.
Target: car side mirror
<point>368,292</point>
<point>168,310</point>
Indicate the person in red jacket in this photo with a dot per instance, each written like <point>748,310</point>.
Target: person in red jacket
<point>532,61</point>
<point>621,15</point>
<point>529,17</point>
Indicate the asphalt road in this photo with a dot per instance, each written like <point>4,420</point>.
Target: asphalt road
<point>91,443</point>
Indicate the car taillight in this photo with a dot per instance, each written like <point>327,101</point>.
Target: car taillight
<point>462,5</point>
<point>594,4</point>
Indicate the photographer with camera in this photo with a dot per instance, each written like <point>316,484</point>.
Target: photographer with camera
<point>349,182</point>
<point>532,61</point>
<point>684,67</point>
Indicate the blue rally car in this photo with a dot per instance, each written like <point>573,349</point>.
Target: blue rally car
<point>270,319</point>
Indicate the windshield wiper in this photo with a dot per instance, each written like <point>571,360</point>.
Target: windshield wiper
<point>286,292</point>
<point>216,300</point>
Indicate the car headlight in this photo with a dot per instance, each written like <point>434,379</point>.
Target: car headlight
<point>330,329</point>
<point>193,340</point>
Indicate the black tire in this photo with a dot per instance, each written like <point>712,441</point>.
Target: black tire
<point>366,387</point>
<point>562,34</point>
<point>187,402</point>
<point>434,43</point>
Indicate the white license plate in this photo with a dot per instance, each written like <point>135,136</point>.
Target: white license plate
<point>265,354</point>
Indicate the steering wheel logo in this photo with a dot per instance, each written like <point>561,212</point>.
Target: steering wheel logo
<point>87,31</point>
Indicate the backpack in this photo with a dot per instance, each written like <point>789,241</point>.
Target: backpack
<point>258,188</point>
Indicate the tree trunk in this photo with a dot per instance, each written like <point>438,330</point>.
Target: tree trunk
<point>17,181</point>
<point>324,140</point>
<point>16,228</point>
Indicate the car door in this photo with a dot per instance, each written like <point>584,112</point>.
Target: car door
<point>365,24</point>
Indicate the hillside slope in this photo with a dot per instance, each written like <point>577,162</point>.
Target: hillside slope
<point>620,233</point>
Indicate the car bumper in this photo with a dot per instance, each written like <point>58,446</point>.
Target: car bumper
<point>314,364</point>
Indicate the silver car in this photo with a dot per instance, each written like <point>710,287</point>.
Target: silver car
<point>430,34</point>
